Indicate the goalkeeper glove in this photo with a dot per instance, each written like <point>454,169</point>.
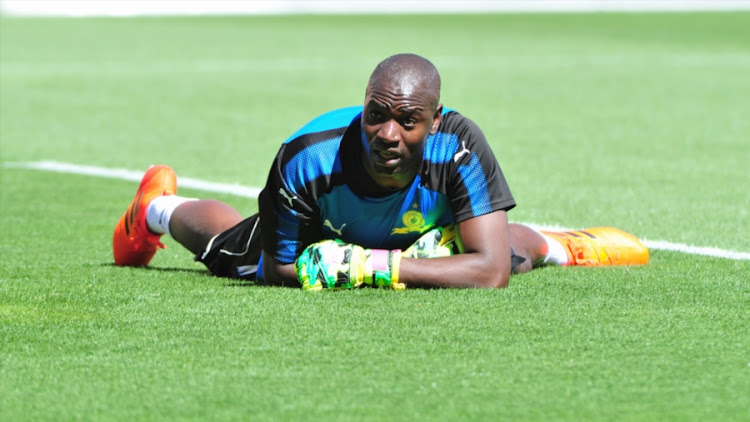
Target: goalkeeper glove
<point>333,264</point>
<point>436,243</point>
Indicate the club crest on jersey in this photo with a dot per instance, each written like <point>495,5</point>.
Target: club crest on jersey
<point>413,222</point>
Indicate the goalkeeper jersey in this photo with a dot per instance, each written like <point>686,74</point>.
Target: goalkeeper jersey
<point>314,189</point>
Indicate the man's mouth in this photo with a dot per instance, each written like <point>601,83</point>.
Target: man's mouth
<point>386,158</point>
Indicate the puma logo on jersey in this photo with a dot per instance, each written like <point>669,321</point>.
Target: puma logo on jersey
<point>459,154</point>
<point>328,224</point>
<point>286,195</point>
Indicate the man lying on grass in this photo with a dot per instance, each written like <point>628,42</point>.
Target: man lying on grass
<point>400,192</point>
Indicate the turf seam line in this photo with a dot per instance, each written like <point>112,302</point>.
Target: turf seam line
<point>253,192</point>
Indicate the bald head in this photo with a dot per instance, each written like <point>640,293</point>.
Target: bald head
<point>410,74</point>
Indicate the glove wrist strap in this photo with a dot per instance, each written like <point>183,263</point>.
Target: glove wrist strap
<point>383,267</point>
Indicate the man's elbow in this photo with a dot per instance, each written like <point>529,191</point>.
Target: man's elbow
<point>495,278</point>
<point>277,274</point>
<point>499,280</point>
<point>493,275</point>
<point>498,274</point>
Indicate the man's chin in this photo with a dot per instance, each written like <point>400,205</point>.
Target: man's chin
<point>389,178</point>
<point>387,171</point>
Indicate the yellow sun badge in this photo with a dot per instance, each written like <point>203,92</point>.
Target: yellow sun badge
<point>413,222</point>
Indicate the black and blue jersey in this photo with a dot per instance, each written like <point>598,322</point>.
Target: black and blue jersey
<point>315,187</point>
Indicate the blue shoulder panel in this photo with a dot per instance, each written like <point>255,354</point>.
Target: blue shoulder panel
<point>331,120</point>
<point>319,159</point>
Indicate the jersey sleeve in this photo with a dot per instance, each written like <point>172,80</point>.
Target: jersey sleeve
<point>474,183</point>
<point>300,174</point>
<point>286,212</point>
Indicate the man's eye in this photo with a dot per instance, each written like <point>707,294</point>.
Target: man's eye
<point>410,122</point>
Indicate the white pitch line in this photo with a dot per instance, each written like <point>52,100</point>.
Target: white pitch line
<point>696,250</point>
<point>130,175</point>
<point>252,192</point>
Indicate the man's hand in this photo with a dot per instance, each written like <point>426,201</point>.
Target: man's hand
<point>436,243</point>
<point>333,264</point>
<point>330,264</point>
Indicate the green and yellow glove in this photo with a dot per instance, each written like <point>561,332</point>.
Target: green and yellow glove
<point>436,243</point>
<point>333,264</point>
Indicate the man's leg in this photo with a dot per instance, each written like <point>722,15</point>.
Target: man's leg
<point>527,243</point>
<point>193,224</point>
<point>133,243</point>
<point>156,209</point>
<point>598,246</point>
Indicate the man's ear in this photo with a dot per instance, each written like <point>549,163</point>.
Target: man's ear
<point>436,119</point>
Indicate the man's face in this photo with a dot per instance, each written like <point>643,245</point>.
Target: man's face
<point>396,122</point>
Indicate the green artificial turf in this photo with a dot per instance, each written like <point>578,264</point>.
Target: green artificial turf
<point>633,120</point>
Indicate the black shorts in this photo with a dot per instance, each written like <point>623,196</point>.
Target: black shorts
<point>235,253</point>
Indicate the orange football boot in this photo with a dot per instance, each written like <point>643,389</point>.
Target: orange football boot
<point>133,243</point>
<point>600,246</point>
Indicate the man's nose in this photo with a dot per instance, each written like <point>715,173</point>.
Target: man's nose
<point>389,131</point>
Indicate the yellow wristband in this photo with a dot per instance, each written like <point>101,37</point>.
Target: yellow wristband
<point>395,270</point>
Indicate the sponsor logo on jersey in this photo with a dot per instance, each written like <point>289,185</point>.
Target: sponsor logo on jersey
<point>461,153</point>
<point>328,224</point>
<point>288,198</point>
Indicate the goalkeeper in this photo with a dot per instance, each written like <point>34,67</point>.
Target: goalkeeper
<point>400,192</point>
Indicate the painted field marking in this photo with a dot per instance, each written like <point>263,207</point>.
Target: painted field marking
<point>135,176</point>
<point>253,192</point>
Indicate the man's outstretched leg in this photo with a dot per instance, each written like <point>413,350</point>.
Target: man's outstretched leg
<point>156,209</point>
<point>528,244</point>
<point>598,246</point>
<point>133,243</point>
<point>195,223</point>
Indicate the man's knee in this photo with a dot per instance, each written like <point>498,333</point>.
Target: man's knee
<point>519,263</point>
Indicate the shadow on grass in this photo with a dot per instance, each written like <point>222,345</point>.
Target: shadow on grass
<point>162,269</point>
<point>244,283</point>
<point>229,282</point>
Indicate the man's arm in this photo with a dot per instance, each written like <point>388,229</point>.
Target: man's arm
<point>484,263</point>
<point>278,274</point>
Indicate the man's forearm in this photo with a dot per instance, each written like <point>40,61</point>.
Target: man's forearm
<point>462,270</point>
<point>278,274</point>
